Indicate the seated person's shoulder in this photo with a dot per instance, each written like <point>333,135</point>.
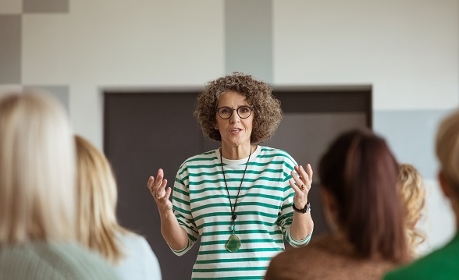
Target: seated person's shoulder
<point>52,260</point>
<point>440,264</point>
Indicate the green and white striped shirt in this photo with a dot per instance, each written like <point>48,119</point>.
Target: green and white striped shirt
<point>264,211</point>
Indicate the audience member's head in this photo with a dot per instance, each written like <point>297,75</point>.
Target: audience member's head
<point>37,170</point>
<point>98,228</point>
<point>97,198</point>
<point>358,176</point>
<point>413,194</point>
<point>447,150</point>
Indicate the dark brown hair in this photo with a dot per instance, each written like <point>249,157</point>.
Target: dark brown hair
<point>267,110</point>
<point>360,172</point>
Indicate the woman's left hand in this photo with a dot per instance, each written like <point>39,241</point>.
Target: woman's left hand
<point>301,185</point>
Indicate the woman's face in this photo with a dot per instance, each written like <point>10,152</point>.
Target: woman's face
<point>234,131</point>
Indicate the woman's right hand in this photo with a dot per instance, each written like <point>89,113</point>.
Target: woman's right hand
<point>175,236</point>
<point>159,190</point>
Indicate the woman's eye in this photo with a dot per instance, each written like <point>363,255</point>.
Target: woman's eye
<point>226,111</point>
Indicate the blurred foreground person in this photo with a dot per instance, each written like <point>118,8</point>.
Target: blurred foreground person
<point>413,195</point>
<point>98,228</point>
<point>443,263</point>
<point>358,185</point>
<point>37,194</point>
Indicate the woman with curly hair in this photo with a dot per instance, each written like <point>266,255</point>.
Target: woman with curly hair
<point>243,199</point>
<point>413,195</point>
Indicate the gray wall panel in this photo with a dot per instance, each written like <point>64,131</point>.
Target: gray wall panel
<point>46,6</point>
<point>248,38</point>
<point>306,136</point>
<point>10,49</point>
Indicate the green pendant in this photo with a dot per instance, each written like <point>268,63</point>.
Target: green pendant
<point>233,244</point>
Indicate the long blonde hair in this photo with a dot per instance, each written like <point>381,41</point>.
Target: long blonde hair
<point>413,194</point>
<point>97,195</point>
<point>37,169</point>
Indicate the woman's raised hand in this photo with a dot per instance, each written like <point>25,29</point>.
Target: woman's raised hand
<point>159,190</point>
<point>301,184</point>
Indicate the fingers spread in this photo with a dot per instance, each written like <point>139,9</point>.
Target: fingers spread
<point>158,186</point>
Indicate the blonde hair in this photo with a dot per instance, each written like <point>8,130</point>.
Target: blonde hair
<point>37,169</point>
<point>447,149</point>
<point>97,195</point>
<point>413,194</point>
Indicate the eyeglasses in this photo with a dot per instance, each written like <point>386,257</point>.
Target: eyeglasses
<point>226,112</point>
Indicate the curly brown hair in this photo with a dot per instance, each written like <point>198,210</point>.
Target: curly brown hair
<point>267,109</point>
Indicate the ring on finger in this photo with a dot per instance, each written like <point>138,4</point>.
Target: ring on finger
<point>302,187</point>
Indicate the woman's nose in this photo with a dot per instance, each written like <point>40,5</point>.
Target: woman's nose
<point>234,117</point>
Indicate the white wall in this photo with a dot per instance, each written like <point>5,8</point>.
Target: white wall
<point>408,50</point>
<point>122,43</point>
